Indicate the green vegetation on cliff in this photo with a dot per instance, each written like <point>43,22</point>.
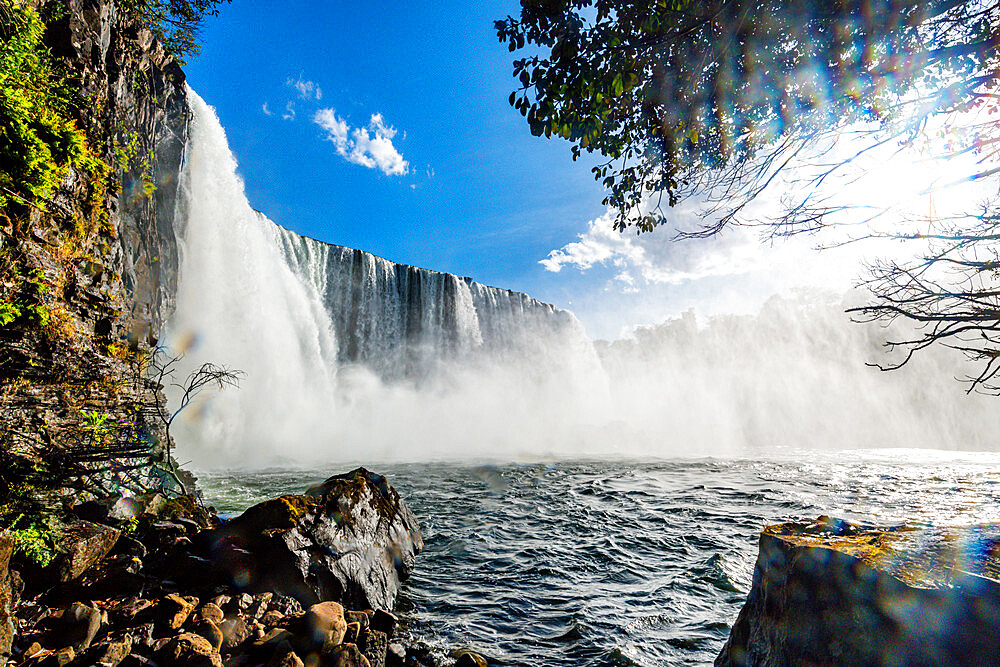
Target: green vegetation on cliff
<point>174,22</point>
<point>39,138</point>
<point>79,414</point>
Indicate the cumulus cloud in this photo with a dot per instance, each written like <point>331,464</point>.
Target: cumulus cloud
<point>308,90</point>
<point>267,112</point>
<point>289,111</point>
<point>656,257</point>
<point>887,189</point>
<point>369,146</point>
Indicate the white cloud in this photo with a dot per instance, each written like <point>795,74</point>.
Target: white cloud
<point>289,111</point>
<point>267,112</point>
<point>656,257</point>
<point>369,146</point>
<point>308,90</point>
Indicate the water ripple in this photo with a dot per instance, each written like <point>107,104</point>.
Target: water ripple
<point>625,563</point>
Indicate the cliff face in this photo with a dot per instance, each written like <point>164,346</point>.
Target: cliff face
<point>401,320</point>
<point>831,593</point>
<point>138,111</point>
<point>99,288</point>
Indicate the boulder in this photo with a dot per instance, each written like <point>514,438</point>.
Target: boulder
<point>210,612</point>
<point>235,631</point>
<point>284,656</point>
<point>186,511</point>
<point>466,658</point>
<point>63,656</point>
<point>346,655</point>
<point>173,610</point>
<point>325,622</point>
<point>384,621</point>
<point>131,611</point>
<point>829,592</point>
<point>188,650</point>
<point>80,624</point>
<point>350,539</point>
<point>109,652</point>
<point>395,656</point>
<point>81,544</point>
<point>210,631</point>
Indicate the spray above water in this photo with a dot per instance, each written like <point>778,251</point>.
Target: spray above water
<point>350,357</point>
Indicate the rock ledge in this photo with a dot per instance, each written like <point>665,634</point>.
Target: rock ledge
<point>830,592</point>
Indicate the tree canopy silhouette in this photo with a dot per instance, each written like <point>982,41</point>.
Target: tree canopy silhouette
<point>681,96</point>
<point>716,100</point>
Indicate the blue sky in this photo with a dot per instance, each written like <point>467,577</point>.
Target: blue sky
<point>387,128</point>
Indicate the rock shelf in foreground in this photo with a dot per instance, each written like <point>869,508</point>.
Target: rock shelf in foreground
<point>171,585</point>
<point>832,593</point>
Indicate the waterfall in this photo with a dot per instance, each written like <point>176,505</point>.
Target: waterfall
<point>348,356</point>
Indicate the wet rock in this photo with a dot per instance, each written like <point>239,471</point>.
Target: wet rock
<point>466,658</point>
<point>395,656</point>
<point>829,592</point>
<point>421,655</point>
<point>129,546</point>
<point>285,656</point>
<point>173,610</point>
<point>80,624</point>
<point>210,612</point>
<point>376,645</point>
<point>188,649</point>
<point>346,655</point>
<point>351,539</point>
<point>211,632</point>
<point>384,621</point>
<point>353,633</point>
<point>136,660</point>
<point>272,618</point>
<point>130,612</point>
<point>109,653</point>
<point>258,605</point>
<point>325,621</point>
<point>235,631</point>
<point>362,618</point>
<point>81,545</point>
<point>63,656</point>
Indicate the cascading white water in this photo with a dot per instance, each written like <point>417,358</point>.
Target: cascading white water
<point>350,357</point>
<point>240,305</point>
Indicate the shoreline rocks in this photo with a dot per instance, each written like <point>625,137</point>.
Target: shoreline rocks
<point>833,593</point>
<point>155,597</point>
<point>351,539</point>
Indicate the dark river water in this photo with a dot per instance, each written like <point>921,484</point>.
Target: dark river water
<point>625,562</point>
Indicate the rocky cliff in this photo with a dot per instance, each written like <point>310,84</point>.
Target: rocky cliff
<point>833,593</point>
<point>89,271</point>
